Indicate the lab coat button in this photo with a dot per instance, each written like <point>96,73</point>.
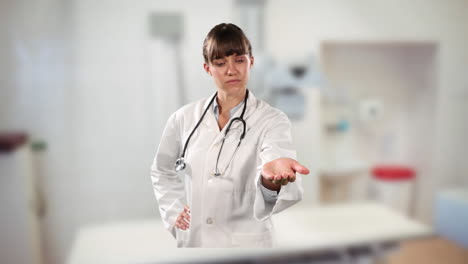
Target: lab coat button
<point>209,221</point>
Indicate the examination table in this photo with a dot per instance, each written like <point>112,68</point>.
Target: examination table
<point>342,233</point>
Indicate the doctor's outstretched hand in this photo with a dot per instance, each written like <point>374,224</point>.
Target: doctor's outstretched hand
<point>280,172</point>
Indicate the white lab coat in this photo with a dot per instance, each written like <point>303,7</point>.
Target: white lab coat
<point>227,210</point>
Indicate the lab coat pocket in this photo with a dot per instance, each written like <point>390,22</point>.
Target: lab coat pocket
<point>263,239</point>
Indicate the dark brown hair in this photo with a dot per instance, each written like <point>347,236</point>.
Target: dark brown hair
<point>225,40</point>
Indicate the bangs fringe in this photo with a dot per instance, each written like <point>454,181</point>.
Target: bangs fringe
<point>226,44</point>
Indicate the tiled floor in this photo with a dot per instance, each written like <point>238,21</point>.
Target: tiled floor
<point>429,251</point>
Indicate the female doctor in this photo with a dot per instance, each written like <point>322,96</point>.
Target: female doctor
<point>225,164</point>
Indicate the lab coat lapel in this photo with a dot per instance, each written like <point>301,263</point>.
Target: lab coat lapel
<point>250,109</point>
<point>212,124</point>
<point>210,119</point>
<point>230,147</point>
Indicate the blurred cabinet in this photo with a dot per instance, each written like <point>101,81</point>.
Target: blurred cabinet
<point>451,215</point>
<point>19,224</point>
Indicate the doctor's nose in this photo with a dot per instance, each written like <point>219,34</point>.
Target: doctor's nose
<point>231,69</point>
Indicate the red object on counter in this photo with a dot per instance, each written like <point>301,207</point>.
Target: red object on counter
<point>393,173</point>
<point>10,141</point>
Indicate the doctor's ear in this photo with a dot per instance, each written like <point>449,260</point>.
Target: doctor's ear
<point>207,68</point>
<point>252,59</point>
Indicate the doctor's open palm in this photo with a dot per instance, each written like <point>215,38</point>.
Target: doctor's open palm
<point>280,172</point>
<point>274,174</point>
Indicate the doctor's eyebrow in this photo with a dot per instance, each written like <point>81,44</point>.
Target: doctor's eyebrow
<point>228,55</point>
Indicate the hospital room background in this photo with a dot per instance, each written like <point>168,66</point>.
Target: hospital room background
<point>377,93</point>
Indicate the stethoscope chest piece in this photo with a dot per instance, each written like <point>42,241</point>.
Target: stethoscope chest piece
<point>179,164</point>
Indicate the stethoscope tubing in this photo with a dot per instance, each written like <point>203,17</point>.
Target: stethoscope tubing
<point>180,163</point>
<point>198,123</point>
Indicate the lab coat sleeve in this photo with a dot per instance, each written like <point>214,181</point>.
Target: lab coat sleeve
<point>268,195</point>
<point>167,185</point>
<point>277,143</point>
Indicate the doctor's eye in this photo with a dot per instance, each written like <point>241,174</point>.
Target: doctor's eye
<point>240,60</point>
<point>219,63</point>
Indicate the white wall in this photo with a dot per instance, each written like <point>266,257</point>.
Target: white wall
<point>117,125</point>
<point>35,83</point>
<point>299,27</point>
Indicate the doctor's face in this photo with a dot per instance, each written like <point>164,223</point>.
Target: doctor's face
<point>230,73</point>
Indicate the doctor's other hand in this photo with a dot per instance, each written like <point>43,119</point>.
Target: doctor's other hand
<point>280,172</point>
<point>183,220</point>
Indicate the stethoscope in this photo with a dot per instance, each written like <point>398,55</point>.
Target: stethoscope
<point>180,162</point>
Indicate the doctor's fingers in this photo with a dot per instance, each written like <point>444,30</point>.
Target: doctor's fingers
<point>185,215</point>
<point>297,167</point>
<point>286,177</point>
<point>268,175</point>
<point>281,178</point>
<point>276,179</point>
<point>182,223</point>
<point>292,176</point>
